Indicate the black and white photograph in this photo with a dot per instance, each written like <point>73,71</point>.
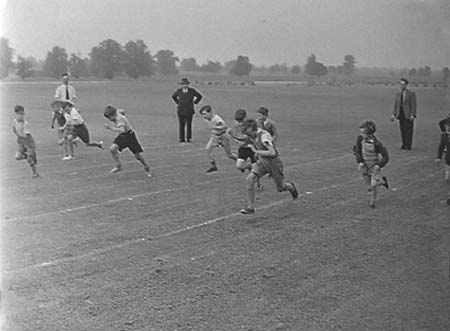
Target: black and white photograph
<point>211,165</point>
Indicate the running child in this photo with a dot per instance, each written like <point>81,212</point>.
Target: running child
<point>77,128</point>
<point>219,136</point>
<point>245,153</point>
<point>444,148</point>
<point>268,162</point>
<point>126,138</point>
<point>371,156</point>
<point>26,147</point>
<point>265,123</point>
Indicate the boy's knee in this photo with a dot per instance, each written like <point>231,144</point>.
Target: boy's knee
<point>114,148</point>
<point>251,179</point>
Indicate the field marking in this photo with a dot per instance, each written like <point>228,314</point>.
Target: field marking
<point>9,220</point>
<point>179,231</point>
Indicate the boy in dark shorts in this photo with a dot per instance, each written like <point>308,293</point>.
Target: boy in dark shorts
<point>444,153</point>
<point>77,128</point>
<point>126,138</point>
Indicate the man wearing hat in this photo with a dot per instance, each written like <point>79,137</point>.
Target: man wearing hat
<point>185,97</point>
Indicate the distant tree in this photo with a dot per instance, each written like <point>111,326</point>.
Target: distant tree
<point>212,67</point>
<point>412,72</point>
<point>349,64</point>
<point>6,54</point>
<point>242,66</point>
<point>166,62</point>
<point>279,68</point>
<point>332,69</point>
<point>340,69</point>
<point>107,59</point>
<point>296,69</point>
<point>56,62</point>
<point>427,71</point>
<point>445,72</point>
<point>138,60</point>
<point>315,68</point>
<point>189,64</point>
<point>78,66</point>
<point>24,67</point>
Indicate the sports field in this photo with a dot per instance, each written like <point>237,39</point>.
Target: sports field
<point>83,249</point>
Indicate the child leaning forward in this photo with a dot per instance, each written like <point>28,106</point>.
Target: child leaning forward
<point>371,156</point>
<point>126,138</point>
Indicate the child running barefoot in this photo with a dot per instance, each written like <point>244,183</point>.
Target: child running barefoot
<point>78,128</point>
<point>444,146</point>
<point>371,155</point>
<point>219,136</point>
<point>126,138</point>
<point>26,147</point>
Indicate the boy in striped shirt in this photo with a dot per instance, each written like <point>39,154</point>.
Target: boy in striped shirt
<point>219,136</point>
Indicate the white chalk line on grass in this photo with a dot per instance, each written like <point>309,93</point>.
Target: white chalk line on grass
<point>161,236</point>
<point>133,241</point>
<point>178,231</point>
<point>141,195</point>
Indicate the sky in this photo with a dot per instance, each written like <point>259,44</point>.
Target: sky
<point>378,33</point>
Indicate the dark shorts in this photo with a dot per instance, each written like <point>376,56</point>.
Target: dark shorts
<point>245,153</point>
<point>128,140</point>
<point>82,132</point>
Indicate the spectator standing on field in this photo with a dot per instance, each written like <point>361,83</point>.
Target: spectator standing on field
<point>185,97</point>
<point>65,91</point>
<point>405,111</point>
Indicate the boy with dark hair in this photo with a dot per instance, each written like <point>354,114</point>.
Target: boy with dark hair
<point>77,128</point>
<point>26,147</point>
<point>371,155</point>
<point>444,146</point>
<point>265,123</point>
<point>268,162</point>
<point>126,138</point>
<point>219,136</point>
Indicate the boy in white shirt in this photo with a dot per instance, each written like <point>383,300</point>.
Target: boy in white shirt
<point>219,136</point>
<point>126,138</point>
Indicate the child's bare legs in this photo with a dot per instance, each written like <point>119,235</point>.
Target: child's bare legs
<point>94,144</point>
<point>251,180</point>
<point>114,149</point>
<point>141,159</point>
<point>209,148</point>
<point>32,160</point>
<point>242,165</point>
<point>227,148</point>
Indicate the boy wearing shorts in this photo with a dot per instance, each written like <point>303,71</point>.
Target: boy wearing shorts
<point>265,123</point>
<point>26,147</point>
<point>75,127</point>
<point>371,156</point>
<point>444,148</point>
<point>268,162</point>
<point>126,138</point>
<point>219,136</point>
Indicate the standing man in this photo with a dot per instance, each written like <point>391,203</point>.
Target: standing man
<point>185,97</point>
<point>405,111</point>
<point>65,91</point>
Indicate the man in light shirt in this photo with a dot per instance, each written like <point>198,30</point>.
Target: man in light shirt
<point>65,91</point>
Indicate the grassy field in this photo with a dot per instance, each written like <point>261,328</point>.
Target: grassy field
<point>83,249</point>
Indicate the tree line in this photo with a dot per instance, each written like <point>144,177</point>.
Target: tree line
<point>109,59</point>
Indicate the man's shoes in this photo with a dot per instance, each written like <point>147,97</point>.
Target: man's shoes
<point>247,211</point>
<point>402,147</point>
<point>385,182</point>
<point>181,141</point>
<point>294,192</point>
<point>189,140</point>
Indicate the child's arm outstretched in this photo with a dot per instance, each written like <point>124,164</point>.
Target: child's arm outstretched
<point>118,129</point>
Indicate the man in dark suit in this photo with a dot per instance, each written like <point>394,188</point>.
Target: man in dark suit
<point>185,97</point>
<point>405,111</point>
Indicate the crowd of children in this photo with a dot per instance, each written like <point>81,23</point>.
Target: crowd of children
<point>256,139</point>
